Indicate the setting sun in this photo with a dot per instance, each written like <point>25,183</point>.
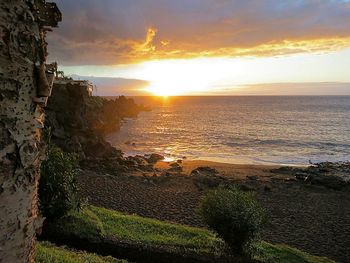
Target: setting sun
<point>185,76</point>
<point>178,77</point>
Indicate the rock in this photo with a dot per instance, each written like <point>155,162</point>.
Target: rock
<point>130,161</point>
<point>330,181</point>
<point>308,178</point>
<point>174,165</point>
<point>286,170</point>
<point>140,160</point>
<point>331,175</point>
<point>289,180</point>
<point>253,177</point>
<point>175,169</point>
<point>207,182</point>
<point>301,176</point>
<point>247,187</point>
<point>73,113</point>
<point>205,170</point>
<point>148,167</point>
<point>267,188</point>
<point>155,158</point>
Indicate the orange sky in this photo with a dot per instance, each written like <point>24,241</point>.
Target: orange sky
<point>155,40</point>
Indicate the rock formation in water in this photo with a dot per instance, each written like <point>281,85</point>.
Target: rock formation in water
<point>25,84</point>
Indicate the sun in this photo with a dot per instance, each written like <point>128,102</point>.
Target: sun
<point>166,87</point>
<point>163,89</point>
<point>175,78</point>
<point>170,81</point>
<point>192,76</point>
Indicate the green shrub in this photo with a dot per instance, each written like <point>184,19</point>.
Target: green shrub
<point>236,216</point>
<point>58,190</point>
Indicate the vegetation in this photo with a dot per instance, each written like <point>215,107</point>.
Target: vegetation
<point>235,215</point>
<point>94,223</point>
<point>283,253</point>
<point>49,253</point>
<point>58,190</point>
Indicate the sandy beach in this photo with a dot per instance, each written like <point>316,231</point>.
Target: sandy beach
<point>308,217</point>
<point>236,171</point>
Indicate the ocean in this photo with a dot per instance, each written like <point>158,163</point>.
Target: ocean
<point>249,130</point>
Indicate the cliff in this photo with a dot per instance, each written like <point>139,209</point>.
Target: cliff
<point>79,121</point>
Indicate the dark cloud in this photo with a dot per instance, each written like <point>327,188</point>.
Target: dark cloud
<point>112,32</point>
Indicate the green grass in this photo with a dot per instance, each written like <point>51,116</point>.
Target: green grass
<point>283,253</point>
<point>95,223</point>
<point>48,253</point>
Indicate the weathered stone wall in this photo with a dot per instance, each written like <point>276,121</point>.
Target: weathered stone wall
<point>22,55</point>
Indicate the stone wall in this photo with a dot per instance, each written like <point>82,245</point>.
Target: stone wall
<point>24,86</point>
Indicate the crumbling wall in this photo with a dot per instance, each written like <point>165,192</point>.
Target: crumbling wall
<point>22,79</point>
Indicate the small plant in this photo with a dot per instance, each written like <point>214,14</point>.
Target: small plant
<point>236,216</point>
<point>58,190</point>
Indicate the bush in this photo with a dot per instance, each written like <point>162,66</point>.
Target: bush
<point>236,216</point>
<point>58,190</point>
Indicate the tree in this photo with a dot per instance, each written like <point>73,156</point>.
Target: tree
<point>22,74</point>
<point>58,186</point>
<point>236,216</point>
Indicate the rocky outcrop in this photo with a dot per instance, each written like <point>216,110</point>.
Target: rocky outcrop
<point>79,121</point>
<point>24,87</point>
<point>330,175</point>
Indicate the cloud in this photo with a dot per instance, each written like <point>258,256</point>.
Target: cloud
<point>116,86</point>
<point>111,32</point>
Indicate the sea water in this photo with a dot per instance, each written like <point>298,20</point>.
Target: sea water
<point>254,130</point>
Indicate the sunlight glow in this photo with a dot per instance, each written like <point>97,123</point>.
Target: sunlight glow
<point>223,76</point>
<point>184,77</point>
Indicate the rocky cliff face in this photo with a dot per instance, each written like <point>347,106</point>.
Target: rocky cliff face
<point>78,121</point>
<point>24,86</point>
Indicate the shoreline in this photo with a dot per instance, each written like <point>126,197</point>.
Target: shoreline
<point>239,160</point>
<point>236,171</point>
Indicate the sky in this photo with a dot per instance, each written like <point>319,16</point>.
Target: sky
<point>206,47</point>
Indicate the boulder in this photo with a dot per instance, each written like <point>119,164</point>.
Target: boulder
<point>174,165</point>
<point>175,169</point>
<point>252,177</point>
<point>207,182</point>
<point>331,175</point>
<point>155,158</point>
<point>205,170</point>
<point>329,181</point>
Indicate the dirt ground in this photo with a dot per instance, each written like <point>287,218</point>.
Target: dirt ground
<point>311,218</point>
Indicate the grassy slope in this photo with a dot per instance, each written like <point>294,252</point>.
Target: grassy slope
<point>52,254</point>
<point>94,222</point>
